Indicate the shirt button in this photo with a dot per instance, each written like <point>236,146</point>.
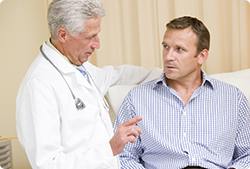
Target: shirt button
<point>184,134</point>
<point>184,113</point>
<point>193,159</point>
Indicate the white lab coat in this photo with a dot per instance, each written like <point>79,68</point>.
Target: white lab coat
<point>53,133</point>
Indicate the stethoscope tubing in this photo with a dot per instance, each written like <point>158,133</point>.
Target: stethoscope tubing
<point>79,103</point>
<point>57,70</point>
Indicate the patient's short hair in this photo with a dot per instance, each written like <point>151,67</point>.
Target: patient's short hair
<point>198,28</point>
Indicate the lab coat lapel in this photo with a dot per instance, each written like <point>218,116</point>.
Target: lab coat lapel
<point>81,80</point>
<point>67,71</point>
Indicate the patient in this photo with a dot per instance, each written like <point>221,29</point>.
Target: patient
<point>190,120</point>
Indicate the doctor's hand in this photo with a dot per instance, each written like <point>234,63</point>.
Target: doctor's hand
<point>126,132</point>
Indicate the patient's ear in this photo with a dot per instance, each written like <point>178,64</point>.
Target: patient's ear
<point>62,35</point>
<point>202,57</point>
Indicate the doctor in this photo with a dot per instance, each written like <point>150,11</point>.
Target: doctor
<point>54,133</point>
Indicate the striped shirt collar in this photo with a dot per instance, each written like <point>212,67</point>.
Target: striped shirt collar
<point>206,80</point>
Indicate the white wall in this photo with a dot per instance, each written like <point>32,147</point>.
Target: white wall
<point>22,29</point>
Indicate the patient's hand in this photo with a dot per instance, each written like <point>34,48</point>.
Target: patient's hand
<point>126,132</point>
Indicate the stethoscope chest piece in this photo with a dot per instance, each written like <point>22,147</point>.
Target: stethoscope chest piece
<point>79,104</point>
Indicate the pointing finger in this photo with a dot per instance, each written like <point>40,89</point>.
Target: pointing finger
<point>132,121</point>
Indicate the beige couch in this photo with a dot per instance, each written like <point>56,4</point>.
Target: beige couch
<point>240,79</point>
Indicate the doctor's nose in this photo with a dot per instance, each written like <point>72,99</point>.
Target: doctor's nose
<point>96,43</point>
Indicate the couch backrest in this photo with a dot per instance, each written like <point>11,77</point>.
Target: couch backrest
<point>240,79</point>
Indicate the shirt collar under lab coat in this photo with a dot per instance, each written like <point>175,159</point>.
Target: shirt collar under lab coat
<point>57,51</point>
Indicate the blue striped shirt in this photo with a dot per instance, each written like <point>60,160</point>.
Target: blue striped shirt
<point>211,131</point>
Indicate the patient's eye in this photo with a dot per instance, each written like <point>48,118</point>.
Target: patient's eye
<point>179,48</point>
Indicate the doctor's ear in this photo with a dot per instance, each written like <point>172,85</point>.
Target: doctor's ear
<point>62,35</point>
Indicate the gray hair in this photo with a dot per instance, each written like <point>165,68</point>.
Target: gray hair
<point>72,14</point>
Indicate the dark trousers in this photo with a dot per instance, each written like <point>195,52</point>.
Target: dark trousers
<point>193,167</point>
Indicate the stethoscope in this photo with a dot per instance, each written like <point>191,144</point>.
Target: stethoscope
<point>78,102</point>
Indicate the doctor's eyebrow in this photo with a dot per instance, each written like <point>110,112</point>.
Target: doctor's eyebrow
<point>164,44</point>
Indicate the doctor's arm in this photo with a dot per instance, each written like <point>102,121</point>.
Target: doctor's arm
<point>133,75</point>
<point>125,133</point>
<point>39,132</point>
<point>108,76</point>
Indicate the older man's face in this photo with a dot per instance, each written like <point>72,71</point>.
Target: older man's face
<point>78,49</point>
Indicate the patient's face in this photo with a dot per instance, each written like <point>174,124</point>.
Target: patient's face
<point>179,54</point>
